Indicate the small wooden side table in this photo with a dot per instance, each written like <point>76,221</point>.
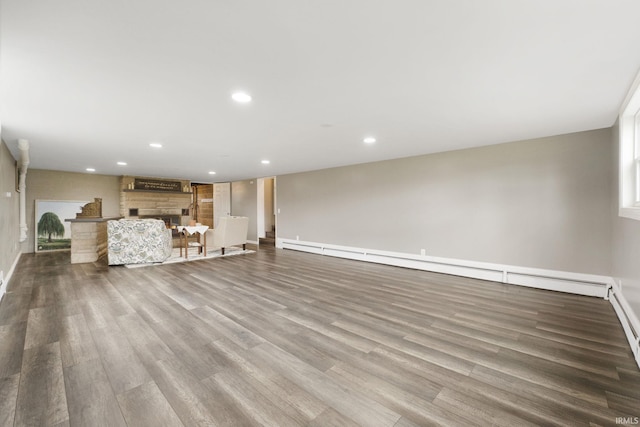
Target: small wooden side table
<point>187,231</point>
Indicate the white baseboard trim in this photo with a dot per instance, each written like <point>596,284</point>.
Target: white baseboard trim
<point>563,281</point>
<point>628,319</point>
<point>5,281</point>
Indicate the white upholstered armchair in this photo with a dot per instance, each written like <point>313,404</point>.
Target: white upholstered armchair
<point>231,231</point>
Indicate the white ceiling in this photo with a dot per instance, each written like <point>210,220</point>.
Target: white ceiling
<point>92,82</point>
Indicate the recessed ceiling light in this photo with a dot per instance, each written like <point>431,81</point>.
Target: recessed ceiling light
<point>91,170</point>
<point>155,145</point>
<point>265,162</point>
<point>122,163</point>
<point>369,140</point>
<point>212,173</point>
<point>241,97</point>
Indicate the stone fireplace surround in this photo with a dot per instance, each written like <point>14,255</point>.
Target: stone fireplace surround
<point>169,206</point>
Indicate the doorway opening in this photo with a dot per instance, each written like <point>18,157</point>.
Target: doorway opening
<point>201,208</point>
<point>267,217</point>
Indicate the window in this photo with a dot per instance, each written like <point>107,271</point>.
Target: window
<point>629,121</point>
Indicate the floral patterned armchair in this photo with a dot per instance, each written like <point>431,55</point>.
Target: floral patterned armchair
<point>138,241</point>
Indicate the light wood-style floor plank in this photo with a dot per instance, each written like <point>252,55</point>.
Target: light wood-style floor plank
<point>148,345</point>
<point>353,403</point>
<point>287,338</point>
<point>476,412</point>
<point>146,406</point>
<point>258,403</point>
<point>15,307</point>
<point>197,403</point>
<point>11,348</point>
<point>331,417</point>
<point>243,361</point>
<point>41,398</point>
<point>119,360</point>
<point>43,327</point>
<point>196,356</point>
<point>416,406</point>
<point>90,396</point>
<point>8,398</point>
<point>76,344</point>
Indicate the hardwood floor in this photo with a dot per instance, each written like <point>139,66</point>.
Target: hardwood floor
<point>282,338</point>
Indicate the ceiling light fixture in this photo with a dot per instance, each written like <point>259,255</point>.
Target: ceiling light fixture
<point>155,145</point>
<point>122,163</point>
<point>90,170</point>
<point>241,97</point>
<point>212,173</point>
<point>369,140</point>
<point>265,162</point>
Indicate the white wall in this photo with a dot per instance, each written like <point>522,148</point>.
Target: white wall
<point>542,203</point>
<point>625,242</point>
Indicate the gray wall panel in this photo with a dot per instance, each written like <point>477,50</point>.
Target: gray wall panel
<point>244,202</point>
<point>542,203</point>
<point>56,185</point>
<point>9,210</point>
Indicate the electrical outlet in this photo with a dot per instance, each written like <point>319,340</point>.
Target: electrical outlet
<point>297,237</point>
<point>423,252</point>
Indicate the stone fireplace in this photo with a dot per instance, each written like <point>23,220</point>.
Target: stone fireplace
<point>166,199</point>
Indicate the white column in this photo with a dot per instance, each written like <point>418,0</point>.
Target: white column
<point>23,145</point>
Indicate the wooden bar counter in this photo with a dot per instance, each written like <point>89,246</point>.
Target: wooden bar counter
<point>88,238</point>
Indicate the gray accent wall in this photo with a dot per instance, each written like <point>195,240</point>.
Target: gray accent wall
<point>9,211</point>
<point>244,202</point>
<point>625,241</point>
<point>56,185</point>
<point>542,203</point>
